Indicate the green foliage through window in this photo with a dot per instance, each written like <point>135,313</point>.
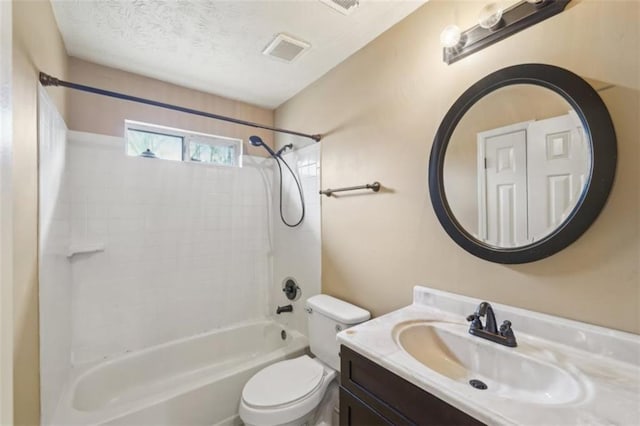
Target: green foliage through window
<point>216,154</point>
<point>143,140</point>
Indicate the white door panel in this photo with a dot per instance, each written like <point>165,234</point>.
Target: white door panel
<point>503,186</point>
<point>557,148</point>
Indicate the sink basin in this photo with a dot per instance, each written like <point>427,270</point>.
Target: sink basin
<point>513,373</point>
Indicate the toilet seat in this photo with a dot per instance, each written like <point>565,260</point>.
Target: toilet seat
<point>284,391</point>
<point>283,383</point>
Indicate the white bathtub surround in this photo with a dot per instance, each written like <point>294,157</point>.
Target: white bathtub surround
<point>54,269</point>
<point>603,364</point>
<point>196,380</point>
<point>155,253</point>
<point>297,251</point>
<point>185,247</point>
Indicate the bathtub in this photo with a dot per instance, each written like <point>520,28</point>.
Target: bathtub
<point>192,381</point>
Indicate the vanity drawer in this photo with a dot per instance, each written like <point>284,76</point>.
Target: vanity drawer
<point>393,397</point>
<point>354,412</point>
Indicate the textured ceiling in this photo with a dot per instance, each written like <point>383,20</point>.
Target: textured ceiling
<point>216,46</point>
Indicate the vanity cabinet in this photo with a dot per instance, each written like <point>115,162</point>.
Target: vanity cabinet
<point>371,395</point>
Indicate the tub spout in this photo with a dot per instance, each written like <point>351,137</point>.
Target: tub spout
<point>287,308</point>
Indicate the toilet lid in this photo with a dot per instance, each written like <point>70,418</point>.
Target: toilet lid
<point>283,382</point>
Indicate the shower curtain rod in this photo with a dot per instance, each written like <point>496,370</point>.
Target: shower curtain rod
<point>48,80</point>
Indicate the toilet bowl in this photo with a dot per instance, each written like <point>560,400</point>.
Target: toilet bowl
<point>285,393</point>
<point>289,393</point>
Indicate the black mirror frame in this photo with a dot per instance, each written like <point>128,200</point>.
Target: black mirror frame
<point>598,127</point>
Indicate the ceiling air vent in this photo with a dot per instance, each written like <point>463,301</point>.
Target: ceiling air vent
<point>343,6</point>
<point>285,48</point>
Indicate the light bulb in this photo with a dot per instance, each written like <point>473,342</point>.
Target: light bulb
<point>539,3</point>
<point>450,36</point>
<point>490,16</point>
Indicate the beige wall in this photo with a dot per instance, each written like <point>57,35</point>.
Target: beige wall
<point>99,114</point>
<point>37,45</point>
<point>6,224</point>
<point>380,110</point>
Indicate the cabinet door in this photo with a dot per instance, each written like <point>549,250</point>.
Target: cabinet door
<point>354,412</point>
<point>394,399</point>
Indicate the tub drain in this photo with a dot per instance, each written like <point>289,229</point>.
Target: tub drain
<point>478,384</point>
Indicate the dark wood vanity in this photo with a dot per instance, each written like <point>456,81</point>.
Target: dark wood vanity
<point>372,395</point>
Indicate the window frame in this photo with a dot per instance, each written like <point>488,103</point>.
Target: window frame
<point>187,137</point>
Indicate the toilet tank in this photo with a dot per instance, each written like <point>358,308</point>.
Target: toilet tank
<point>326,316</point>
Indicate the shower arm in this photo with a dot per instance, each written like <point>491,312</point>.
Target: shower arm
<point>47,80</point>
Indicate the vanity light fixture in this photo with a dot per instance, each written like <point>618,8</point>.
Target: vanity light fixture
<point>495,24</point>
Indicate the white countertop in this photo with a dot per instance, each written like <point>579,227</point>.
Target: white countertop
<point>605,363</point>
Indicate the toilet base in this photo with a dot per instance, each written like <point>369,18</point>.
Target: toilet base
<point>306,420</point>
<point>322,415</point>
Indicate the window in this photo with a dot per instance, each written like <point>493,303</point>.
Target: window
<point>141,143</point>
<point>213,150</point>
<point>150,141</point>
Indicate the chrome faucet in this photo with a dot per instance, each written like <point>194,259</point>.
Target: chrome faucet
<point>489,330</point>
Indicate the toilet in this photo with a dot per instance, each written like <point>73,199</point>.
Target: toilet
<point>288,393</point>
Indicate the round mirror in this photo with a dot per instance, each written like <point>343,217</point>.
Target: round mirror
<point>522,163</point>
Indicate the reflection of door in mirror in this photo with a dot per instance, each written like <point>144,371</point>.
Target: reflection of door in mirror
<point>530,176</point>
<point>502,185</point>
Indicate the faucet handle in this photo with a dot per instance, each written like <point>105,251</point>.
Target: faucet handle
<point>507,333</point>
<point>475,322</point>
<point>506,326</point>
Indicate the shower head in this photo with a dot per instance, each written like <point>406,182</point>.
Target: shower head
<point>257,141</point>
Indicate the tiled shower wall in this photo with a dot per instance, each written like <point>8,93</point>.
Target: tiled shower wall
<point>54,269</point>
<point>297,250</point>
<point>186,246</point>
